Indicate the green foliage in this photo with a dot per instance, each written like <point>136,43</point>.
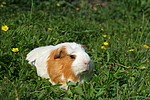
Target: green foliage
<point>121,70</point>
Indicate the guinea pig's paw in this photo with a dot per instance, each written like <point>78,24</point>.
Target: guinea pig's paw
<point>64,86</point>
<point>51,82</point>
<point>67,84</point>
<point>70,81</point>
<point>61,85</point>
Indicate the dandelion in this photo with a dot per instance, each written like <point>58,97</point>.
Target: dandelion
<point>143,68</point>
<point>103,47</point>
<point>104,35</point>
<point>50,29</point>
<point>118,39</point>
<point>132,17</point>
<point>136,44</point>
<point>5,28</point>
<point>102,29</point>
<point>140,32</point>
<point>106,43</point>
<point>15,6</point>
<point>95,8</point>
<point>58,4</point>
<point>131,50</point>
<point>2,6</point>
<point>77,8</point>
<point>53,38</point>
<point>145,46</point>
<point>15,50</point>
<point>4,3</point>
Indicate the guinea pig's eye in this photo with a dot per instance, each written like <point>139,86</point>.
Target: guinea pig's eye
<point>72,57</point>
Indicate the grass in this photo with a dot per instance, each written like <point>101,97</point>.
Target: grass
<point>122,68</point>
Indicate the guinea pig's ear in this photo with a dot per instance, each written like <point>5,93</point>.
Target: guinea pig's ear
<point>58,56</point>
<point>83,47</point>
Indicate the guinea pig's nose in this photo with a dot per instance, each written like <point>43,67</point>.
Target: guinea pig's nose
<point>86,65</point>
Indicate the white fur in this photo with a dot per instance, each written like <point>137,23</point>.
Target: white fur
<point>39,57</point>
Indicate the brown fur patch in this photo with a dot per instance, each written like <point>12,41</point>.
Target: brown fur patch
<point>62,66</point>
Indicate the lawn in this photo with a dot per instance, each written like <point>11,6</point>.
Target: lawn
<point>116,34</point>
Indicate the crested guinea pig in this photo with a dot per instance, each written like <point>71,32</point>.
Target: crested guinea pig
<point>65,62</point>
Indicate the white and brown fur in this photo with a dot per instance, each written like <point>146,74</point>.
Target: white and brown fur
<point>62,63</point>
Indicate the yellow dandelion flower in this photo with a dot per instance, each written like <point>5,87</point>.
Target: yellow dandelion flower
<point>140,32</point>
<point>4,3</point>
<point>2,6</point>
<point>132,17</point>
<point>95,8</point>
<point>103,47</point>
<point>131,50</point>
<point>118,39</point>
<point>102,29</point>
<point>77,8</point>
<point>53,38</point>
<point>106,43</point>
<point>104,35</point>
<point>15,6</point>
<point>50,29</point>
<point>5,28</point>
<point>58,4</point>
<point>15,50</point>
<point>136,44</point>
<point>145,46</point>
<point>141,27</point>
<point>143,67</point>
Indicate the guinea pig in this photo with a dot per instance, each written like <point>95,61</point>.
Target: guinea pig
<point>65,62</point>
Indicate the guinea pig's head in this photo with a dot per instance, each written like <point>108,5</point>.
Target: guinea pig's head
<point>68,62</point>
<point>81,61</point>
<point>76,56</point>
